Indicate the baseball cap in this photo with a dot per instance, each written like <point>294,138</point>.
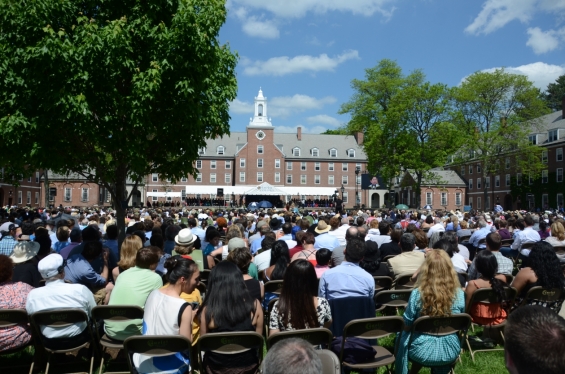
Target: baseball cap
<point>49,266</point>
<point>8,226</point>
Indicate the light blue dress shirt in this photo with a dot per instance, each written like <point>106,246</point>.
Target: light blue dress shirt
<point>326,241</point>
<point>346,280</point>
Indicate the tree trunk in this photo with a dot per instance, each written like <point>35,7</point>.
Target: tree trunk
<point>46,187</point>
<point>119,199</point>
<point>418,191</point>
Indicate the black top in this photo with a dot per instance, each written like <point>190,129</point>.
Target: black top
<point>389,249</point>
<point>381,271</point>
<point>254,288</point>
<point>27,273</point>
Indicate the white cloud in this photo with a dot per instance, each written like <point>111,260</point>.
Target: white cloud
<point>256,26</point>
<point>544,41</point>
<point>284,106</point>
<point>540,73</point>
<point>241,107</point>
<point>305,130</point>
<point>325,119</point>
<point>279,66</point>
<point>299,8</point>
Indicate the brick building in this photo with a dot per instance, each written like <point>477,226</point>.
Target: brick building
<point>442,190</point>
<point>26,194</point>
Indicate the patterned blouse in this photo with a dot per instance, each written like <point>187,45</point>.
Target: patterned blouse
<point>14,296</point>
<point>322,310</point>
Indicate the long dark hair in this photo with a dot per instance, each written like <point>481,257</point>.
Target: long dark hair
<point>280,257</point>
<point>546,265</point>
<point>371,252</point>
<point>296,305</point>
<point>227,300</point>
<point>487,265</point>
<point>177,267</point>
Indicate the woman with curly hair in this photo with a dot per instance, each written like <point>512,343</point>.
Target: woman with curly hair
<point>437,294</point>
<point>544,270</point>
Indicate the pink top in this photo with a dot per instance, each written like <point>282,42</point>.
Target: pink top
<point>320,270</point>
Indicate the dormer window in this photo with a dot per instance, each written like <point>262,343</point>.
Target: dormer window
<point>315,152</point>
<point>220,150</point>
<point>533,139</point>
<point>350,153</point>
<point>553,135</point>
<point>333,152</point>
<point>201,151</point>
<point>296,152</point>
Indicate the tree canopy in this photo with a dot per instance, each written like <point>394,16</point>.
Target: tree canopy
<point>554,94</point>
<point>112,89</point>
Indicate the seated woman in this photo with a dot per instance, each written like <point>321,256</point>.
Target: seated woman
<point>557,238</point>
<point>128,252</point>
<point>280,259</point>
<point>213,241</point>
<point>371,262</point>
<point>13,295</point>
<point>487,313</point>
<point>299,306</point>
<point>166,313</point>
<point>437,294</point>
<point>229,307</point>
<point>308,251</point>
<point>544,270</point>
<point>184,246</point>
<point>242,258</point>
<point>428,222</point>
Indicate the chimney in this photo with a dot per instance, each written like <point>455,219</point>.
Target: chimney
<point>359,137</point>
<point>299,133</point>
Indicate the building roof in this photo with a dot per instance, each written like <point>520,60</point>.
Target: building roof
<point>442,177</point>
<point>550,122</point>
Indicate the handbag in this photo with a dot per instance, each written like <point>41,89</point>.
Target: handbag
<point>355,350</point>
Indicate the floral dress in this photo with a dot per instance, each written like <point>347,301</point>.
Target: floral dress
<point>322,310</point>
<point>14,296</point>
<point>435,351</point>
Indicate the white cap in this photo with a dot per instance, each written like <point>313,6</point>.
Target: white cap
<point>50,265</point>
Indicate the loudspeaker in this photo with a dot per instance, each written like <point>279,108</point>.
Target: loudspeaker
<point>220,192</point>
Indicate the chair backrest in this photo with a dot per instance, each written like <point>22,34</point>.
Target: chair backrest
<point>386,258</point>
<point>316,336</point>
<point>541,294</point>
<point>373,328</point>
<point>198,256</point>
<point>488,296</point>
<point>154,346</point>
<point>441,326</point>
<point>506,242</point>
<point>464,238</point>
<point>274,286</point>
<point>393,298</point>
<point>204,275</point>
<point>117,313</point>
<point>12,317</point>
<point>230,342</point>
<point>527,245</point>
<point>347,309</point>
<point>404,282</point>
<point>330,361</point>
<point>59,317</point>
<point>382,282</point>
<point>482,241</point>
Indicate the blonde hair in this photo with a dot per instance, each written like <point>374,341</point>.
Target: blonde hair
<point>558,231</point>
<point>374,224</point>
<point>128,251</point>
<point>438,284</point>
<point>184,249</point>
<point>455,221</point>
<point>463,224</point>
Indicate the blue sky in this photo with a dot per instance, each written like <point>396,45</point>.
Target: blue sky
<point>304,53</point>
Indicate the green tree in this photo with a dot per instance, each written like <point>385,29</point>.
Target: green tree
<point>112,89</point>
<point>496,112</point>
<point>406,122</point>
<point>340,131</point>
<point>554,94</point>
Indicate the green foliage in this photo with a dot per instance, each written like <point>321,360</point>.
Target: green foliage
<point>554,94</point>
<point>112,89</point>
<point>340,131</point>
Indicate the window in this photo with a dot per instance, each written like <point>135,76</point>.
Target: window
<point>184,179</point>
<point>302,166</point>
<point>220,150</point>
<point>202,151</point>
<point>316,179</point>
<point>457,198</point>
<point>478,183</point>
<point>479,170</point>
<point>443,198</point>
<point>36,177</point>
<point>344,179</point>
<point>358,179</point>
<point>259,162</point>
<point>277,177</point>
<point>315,152</point>
<point>344,166</point>
<point>470,169</point>
<point>544,200</point>
<point>470,184</point>
<point>507,180</point>
<point>317,166</point>
<point>518,179</point>
<point>199,164</point>
<point>212,164</point>
<point>544,176</point>
<point>154,198</point>
<point>544,157</point>
<point>228,165</point>
<point>227,178</point>
<point>487,182</point>
<point>330,179</point>
<point>296,152</point>
<point>429,200</point>
<point>303,179</point>
<point>169,198</point>
<point>559,154</point>
<point>154,177</point>
<point>533,139</point>
<point>84,195</point>
<point>471,202</point>
<point>168,180</point>
<point>29,179</point>
<point>479,203</point>
<point>242,176</point>
<point>199,177</point>
<point>288,165</point>
<point>487,203</point>
<point>345,197</point>
<point>183,194</point>
<point>462,170</point>
<point>351,153</point>
<point>289,178</point>
<point>68,194</point>
<point>260,176</point>
<point>530,179</point>
<point>507,162</point>
<point>212,177</point>
<point>552,135</point>
<point>37,197</point>
<point>471,154</point>
<point>260,149</point>
<point>333,152</point>
<point>277,163</point>
<point>559,200</point>
<point>497,181</point>
<point>330,166</point>
<point>28,197</point>
<point>559,175</point>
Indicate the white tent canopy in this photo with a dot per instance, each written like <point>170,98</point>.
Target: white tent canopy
<point>266,189</point>
<point>293,191</point>
<point>164,194</point>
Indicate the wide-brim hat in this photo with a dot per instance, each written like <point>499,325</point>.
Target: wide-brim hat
<point>24,251</point>
<point>322,227</point>
<point>185,238</point>
<point>275,224</point>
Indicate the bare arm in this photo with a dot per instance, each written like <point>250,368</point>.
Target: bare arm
<point>258,318</point>
<point>203,327</point>
<point>115,273</point>
<point>105,272</point>
<point>186,323</point>
<point>522,279</point>
<point>468,293</point>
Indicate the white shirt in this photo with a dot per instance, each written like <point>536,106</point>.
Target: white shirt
<point>262,260</point>
<point>438,227</point>
<point>459,263</point>
<point>339,234</point>
<point>381,239</point>
<point>58,294</point>
<point>528,235</point>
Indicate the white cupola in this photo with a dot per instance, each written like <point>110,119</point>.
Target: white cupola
<point>260,117</point>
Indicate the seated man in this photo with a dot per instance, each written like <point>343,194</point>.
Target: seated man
<point>528,235</point>
<point>290,356</point>
<point>478,235</point>
<point>132,288</point>
<point>409,260</point>
<point>325,240</point>
<point>505,265</point>
<point>437,227</point>
<point>348,279</point>
<point>79,270</point>
<point>56,295</point>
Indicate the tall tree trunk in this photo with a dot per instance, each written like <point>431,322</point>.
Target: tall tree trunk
<point>46,187</point>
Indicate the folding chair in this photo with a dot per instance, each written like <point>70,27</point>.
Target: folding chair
<point>404,282</point>
<point>382,283</point>
<point>62,318</point>
<point>464,238</point>
<point>230,343</point>
<point>488,296</point>
<point>13,317</point>
<point>274,286</point>
<point>506,242</point>
<point>543,295</point>
<point>114,313</point>
<point>315,336</point>
<point>386,258</point>
<point>442,326</point>
<point>330,362</point>
<point>392,299</point>
<point>372,328</point>
<point>155,346</point>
